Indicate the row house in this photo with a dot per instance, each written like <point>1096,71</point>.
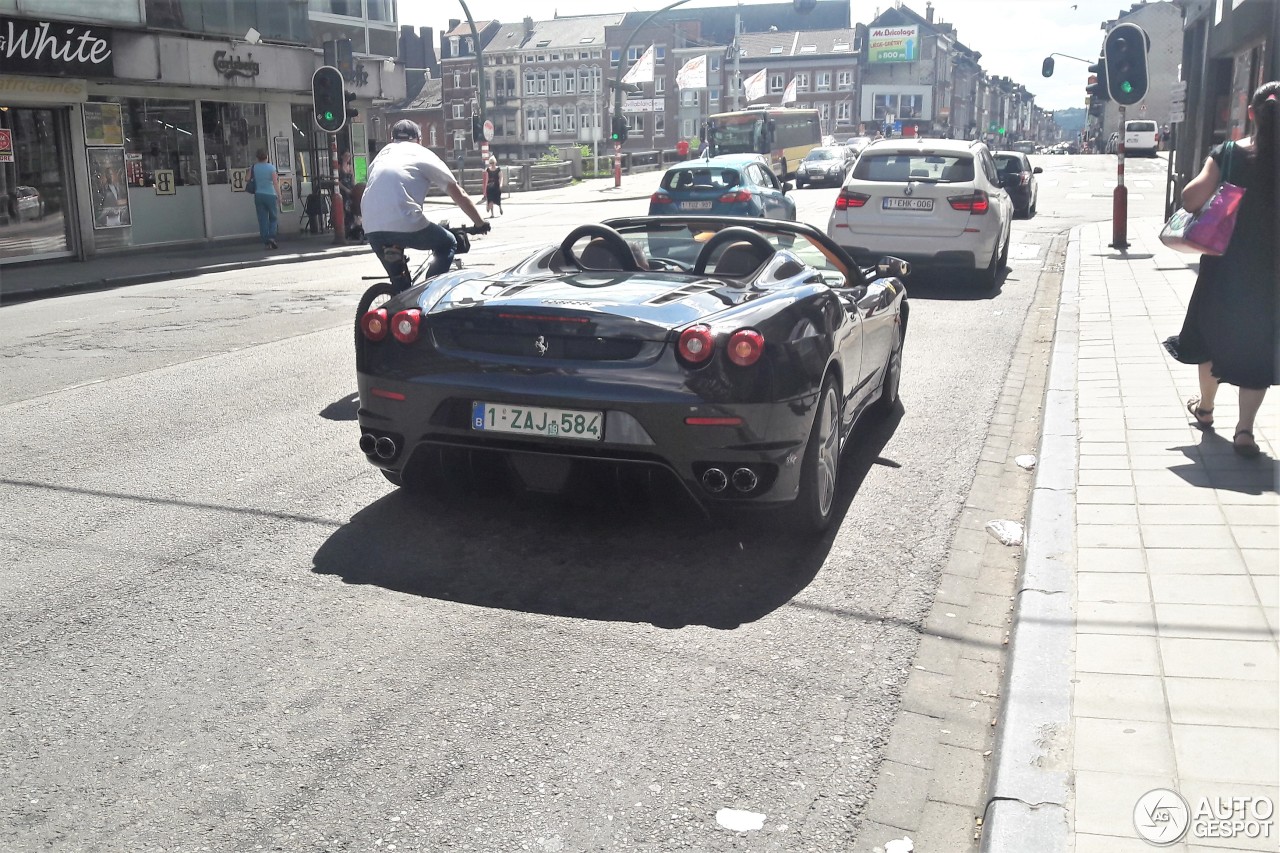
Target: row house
<point>548,84</point>
<point>653,113</point>
<point>823,64</point>
<point>459,80</point>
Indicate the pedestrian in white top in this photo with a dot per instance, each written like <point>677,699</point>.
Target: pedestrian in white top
<point>399,179</point>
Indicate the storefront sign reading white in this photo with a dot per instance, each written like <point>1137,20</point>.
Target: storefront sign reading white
<point>43,47</point>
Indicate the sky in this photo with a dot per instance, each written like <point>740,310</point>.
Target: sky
<point>1014,36</point>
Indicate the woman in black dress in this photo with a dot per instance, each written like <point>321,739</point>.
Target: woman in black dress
<point>493,186</point>
<point>1230,329</point>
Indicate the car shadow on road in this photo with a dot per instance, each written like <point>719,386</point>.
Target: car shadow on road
<point>625,558</point>
<point>343,409</point>
<point>951,286</point>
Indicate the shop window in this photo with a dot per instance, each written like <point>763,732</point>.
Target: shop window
<point>159,134</point>
<point>233,133</point>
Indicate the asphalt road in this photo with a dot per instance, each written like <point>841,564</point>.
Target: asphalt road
<point>224,631</point>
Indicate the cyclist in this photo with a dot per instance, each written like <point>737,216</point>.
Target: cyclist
<point>394,220</point>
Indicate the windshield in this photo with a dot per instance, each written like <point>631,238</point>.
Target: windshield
<point>681,240</point>
<point>741,137</point>
<point>905,166</point>
<point>701,178</point>
<point>1147,126</point>
<point>820,154</point>
<point>1008,163</point>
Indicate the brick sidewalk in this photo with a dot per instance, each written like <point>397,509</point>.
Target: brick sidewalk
<point>1159,670</point>
<point>1176,586</point>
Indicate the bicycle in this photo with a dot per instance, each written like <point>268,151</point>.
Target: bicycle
<point>385,289</point>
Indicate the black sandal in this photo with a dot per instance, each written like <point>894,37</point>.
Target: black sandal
<point>1193,406</point>
<point>1247,449</point>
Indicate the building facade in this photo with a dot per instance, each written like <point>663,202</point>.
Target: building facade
<point>135,127</point>
<point>1228,51</point>
<point>822,64</point>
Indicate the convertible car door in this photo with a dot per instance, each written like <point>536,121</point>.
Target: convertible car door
<point>847,338</point>
<point>879,334</point>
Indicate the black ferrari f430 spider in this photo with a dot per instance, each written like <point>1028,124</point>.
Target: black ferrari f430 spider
<point>734,354</point>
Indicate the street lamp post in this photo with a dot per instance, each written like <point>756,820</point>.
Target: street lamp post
<point>481,94</point>
<point>619,71</point>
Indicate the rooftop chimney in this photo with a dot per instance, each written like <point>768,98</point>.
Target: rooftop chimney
<point>528,27</point>
<point>928,12</point>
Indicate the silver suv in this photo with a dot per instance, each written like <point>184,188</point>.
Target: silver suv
<point>935,202</point>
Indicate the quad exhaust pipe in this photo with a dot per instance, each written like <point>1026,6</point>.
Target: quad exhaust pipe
<point>380,446</point>
<point>715,480</point>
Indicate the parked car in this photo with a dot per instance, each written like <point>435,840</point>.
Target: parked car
<point>827,165</point>
<point>27,203</point>
<point>727,185</point>
<point>733,361</point>
<point>1018,177</point>
<point>857,143</point>
<point>935,201</point>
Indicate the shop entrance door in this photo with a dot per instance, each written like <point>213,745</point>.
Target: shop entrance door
<point>35,203</point>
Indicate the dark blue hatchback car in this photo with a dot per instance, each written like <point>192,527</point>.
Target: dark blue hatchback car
<point>728,185</point>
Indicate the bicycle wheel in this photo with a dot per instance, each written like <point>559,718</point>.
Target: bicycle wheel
<point>374,297</point>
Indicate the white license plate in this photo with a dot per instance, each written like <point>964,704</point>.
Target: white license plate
<point>908,204</point>
<point>533,420</point>
<point>695,205</point>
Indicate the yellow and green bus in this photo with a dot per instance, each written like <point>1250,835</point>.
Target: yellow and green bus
<point>783,135</point>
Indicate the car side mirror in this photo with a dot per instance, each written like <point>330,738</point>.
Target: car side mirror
<point>891,267</point>
<point>1037,171</point>
<point>787,187</point>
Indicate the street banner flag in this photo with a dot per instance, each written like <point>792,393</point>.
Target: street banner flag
<point>642,71</point>
<point>789,96</point>
<point>693,74</point>
<point>754,86</point>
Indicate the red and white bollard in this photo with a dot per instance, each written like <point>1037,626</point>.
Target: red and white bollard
<point>1120,198</point>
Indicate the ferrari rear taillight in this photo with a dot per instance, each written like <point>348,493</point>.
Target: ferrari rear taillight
<point>738,196</point>
<point>374,324</point>
<point>696,344</point>
<point>975,202</point>
<point>849,198</point>
<point>405,325</point>
<point>745,347</point>
<point>660,198</point>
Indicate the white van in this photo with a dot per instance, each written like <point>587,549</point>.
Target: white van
<point>1141,138</point>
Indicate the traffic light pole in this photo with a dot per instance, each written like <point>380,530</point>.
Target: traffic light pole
<point>619,71</point>
<point>481,94</point>
<point>1120,197</point>
<point>335,193</point>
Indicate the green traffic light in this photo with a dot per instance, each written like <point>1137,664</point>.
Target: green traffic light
<point>328,116</point>
<point>1126,87</point>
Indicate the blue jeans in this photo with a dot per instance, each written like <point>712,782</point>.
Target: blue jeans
<point>433,238</point>
<point>268,216</point>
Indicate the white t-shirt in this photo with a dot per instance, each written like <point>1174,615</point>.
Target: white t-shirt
<point>399,179</point>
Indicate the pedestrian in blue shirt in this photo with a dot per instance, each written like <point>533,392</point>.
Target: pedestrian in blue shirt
<point>266,198</point>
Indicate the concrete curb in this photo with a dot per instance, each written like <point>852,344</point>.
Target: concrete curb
<point>1027,802</point>
<point>10,297</point>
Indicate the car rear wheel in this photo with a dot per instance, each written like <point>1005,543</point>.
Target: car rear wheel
<point>989,276</point>
<point>815,504</point>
